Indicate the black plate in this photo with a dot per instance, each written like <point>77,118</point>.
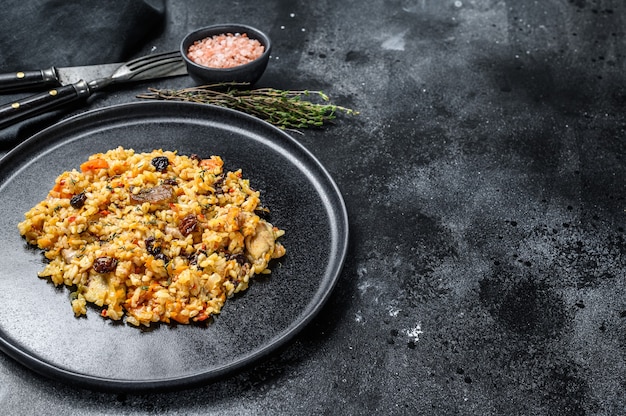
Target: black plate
<point>37,326</point>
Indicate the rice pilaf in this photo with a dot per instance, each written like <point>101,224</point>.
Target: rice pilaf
<point>154,237</point>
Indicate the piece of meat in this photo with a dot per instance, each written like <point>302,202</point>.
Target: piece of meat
<point>173,231</point>
<point>68,254</point>
<point>262,241</point>
<point>159,193</point>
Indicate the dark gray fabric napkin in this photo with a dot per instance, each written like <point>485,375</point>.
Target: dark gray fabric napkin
<point>38,34</point>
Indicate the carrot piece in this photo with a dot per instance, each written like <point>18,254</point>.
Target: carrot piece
<point>94,164</point>
<point>212,163</point>
<point>59,190</point>
<point>59,185</point>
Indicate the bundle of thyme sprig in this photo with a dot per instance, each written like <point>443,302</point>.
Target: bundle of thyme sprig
<point>286,109</point>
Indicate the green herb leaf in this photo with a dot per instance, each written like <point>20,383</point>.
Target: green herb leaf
<point>284,108</point>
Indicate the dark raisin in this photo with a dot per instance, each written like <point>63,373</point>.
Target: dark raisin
<point>263,213</point>
<point>217,185</point>
<point>160,163</point>
<point>170,181</point>
<point>188,224</point>
<point>78,200</point>
<point>151,247</point>
<point>195,157</point>
<point>104,264</point>
<point>240,258</point>
<point>161,256</point>
<point>193,257</point>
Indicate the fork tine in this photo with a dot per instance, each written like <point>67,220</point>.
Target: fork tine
<point>156,56</point>
<point>145,66</point>
<point>148,59</point>
<point>149,66</point>
<point>156,67</point>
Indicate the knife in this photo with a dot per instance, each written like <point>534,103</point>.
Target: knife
<point>53,76</point>
<point>147,67</point>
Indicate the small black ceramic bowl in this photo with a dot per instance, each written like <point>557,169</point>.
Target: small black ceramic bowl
<point>249,72</point>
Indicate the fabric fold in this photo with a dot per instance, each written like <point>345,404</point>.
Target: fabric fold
<point>44,33</point>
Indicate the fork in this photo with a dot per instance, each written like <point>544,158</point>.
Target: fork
<point>146,67</point>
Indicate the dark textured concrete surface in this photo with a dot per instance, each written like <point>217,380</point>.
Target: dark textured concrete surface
<point>485,184</point>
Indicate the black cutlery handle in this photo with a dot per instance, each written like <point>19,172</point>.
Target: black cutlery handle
<point>40,103</point>
<point>19,80</point>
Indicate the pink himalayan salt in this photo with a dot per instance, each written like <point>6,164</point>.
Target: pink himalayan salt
<point>225,51</point>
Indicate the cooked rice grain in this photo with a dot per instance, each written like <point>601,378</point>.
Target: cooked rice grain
<point>152,236</point>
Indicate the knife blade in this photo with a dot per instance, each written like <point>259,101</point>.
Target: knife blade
<point>53,76</point>
<point>147,67</point>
